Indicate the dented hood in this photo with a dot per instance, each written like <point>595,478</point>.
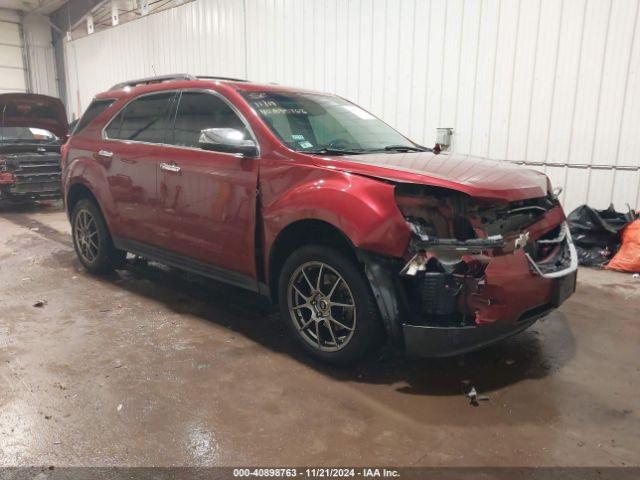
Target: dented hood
<point>475,176</point>
<point>33,111</point>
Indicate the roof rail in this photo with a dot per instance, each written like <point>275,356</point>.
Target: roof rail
<point>215,77</point>
<point>157,79</point>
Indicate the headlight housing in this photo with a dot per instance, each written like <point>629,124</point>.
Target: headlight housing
<point>438,212</point>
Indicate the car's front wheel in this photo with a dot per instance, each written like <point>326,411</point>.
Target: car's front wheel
<point>326,300</point>
<point>91,239</point>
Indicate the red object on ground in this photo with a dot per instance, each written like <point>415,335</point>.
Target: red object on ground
<point>628,257</point>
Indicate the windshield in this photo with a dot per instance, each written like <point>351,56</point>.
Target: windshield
<point>310,122</point>
<point>26,135</point>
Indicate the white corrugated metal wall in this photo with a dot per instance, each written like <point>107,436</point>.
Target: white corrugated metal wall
<point>202,37</point>
<point>552,83</point>
<point>27,61</point>
<point>39,47</point>
<point>12,64</point>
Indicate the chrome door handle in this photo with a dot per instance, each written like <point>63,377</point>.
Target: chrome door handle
<point>170,167</point>
<point>105,153</point>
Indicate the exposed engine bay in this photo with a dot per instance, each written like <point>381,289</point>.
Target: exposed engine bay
<point>456,237</point>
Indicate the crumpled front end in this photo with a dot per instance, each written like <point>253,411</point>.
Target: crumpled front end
<point>477,270</point>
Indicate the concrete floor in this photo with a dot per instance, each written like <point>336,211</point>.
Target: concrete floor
<point>154,367</point>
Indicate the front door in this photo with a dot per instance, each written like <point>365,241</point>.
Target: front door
<point>208,199</point>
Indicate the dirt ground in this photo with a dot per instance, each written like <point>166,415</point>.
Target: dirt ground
<point>151,366</point>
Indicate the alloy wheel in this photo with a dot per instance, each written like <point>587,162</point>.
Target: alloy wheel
<point>87,236</point>
<point>321,306</point>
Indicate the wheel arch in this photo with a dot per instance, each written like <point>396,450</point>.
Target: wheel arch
<point>77,192</point>
<point>299,233</point>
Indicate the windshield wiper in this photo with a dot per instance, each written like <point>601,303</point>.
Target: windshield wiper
<point>332,151</point>
<point>404,148</point>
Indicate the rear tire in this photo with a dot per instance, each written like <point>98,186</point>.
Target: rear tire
<point>92,240</point>
<point>327,302</point>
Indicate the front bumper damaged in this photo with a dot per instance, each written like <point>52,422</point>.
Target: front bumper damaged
<point>568,256</point>
<point>451,250</point>
<point>465,295</point>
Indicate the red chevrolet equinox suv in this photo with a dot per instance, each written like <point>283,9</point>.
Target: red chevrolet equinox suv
<point>359,234</point>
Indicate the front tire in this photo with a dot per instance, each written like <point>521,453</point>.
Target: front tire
<point>91,239</point>
<point>327,302</point>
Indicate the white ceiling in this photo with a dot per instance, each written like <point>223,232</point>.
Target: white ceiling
<point>41,6</point>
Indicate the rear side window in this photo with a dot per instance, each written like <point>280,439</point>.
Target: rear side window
<point>144,120</point>
<point>95,109</point>
<point>198,111</point>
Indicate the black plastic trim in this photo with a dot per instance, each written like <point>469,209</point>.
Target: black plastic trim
<point>389,295</point>
<point>189,264</point>
<point>430,341</point>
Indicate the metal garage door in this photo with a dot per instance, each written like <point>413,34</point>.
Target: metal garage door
<point>12,71</point>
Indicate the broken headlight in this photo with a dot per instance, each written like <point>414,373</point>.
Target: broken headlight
<point>436,212</point>
<point>449,229</point>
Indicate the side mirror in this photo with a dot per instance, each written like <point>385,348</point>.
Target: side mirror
<point>228,140</point>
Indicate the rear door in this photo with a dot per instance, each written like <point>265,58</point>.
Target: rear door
<point>208,199</point>
<point>131,152</point>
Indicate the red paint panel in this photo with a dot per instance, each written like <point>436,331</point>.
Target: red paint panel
<point>362,208</point>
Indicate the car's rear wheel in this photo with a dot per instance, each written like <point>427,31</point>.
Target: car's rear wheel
<point>327,302</point>
<point>91,239</point>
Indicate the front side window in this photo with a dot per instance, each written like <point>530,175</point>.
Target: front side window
<point>316,122</point>
<point>143,120</point>
<point>198,111</point>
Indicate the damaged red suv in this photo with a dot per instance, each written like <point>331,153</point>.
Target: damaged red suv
<point>359,234</point>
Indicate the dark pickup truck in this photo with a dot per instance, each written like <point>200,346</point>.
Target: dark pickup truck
<point>32,130</point>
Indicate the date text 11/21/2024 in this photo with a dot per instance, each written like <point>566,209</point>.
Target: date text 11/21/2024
<point>325,472</point>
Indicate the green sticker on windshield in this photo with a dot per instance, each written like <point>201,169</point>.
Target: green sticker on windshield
<point>305,144</point>
<point>298,137</point>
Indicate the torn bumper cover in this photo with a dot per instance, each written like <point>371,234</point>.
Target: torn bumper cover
<point>464,295</point>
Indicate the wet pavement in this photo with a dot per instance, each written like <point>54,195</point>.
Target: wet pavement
<point>151,366</point>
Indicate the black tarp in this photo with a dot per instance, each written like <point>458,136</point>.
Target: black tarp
<point>596,233</point>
